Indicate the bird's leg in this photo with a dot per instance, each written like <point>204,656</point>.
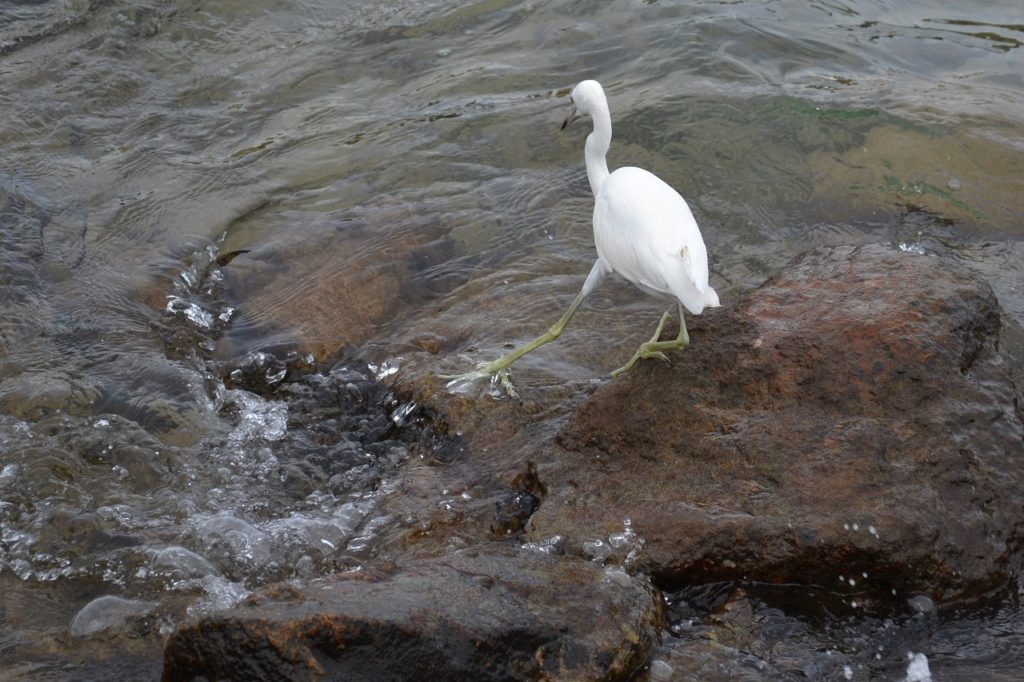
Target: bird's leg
<point>682,341</point>
<point>644,351</point>
<point>502,364</point>
<point>547,337</point>
<point>654,348</point>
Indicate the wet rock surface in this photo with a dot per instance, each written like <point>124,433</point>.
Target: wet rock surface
<point>487,613</point>
<point>852,417</point>
<point>848,433</point>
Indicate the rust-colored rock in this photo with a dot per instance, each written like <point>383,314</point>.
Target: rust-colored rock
<point>489,613</point>
<point>851,417</point>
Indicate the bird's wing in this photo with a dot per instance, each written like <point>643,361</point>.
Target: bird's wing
<point>645,231</point>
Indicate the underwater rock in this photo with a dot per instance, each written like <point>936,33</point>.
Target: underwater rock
<point>851,417</point>
<point>486,613</point>
<point>897,166</point>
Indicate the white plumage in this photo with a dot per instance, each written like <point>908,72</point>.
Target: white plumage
<point>643,230</point>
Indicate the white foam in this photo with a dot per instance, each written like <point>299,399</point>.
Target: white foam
<point>917,669</point>
<point>258,418</point>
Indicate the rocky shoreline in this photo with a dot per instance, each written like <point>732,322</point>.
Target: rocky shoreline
<point>849,427</point>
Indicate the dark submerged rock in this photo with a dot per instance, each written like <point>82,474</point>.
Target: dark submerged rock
<point>491,613</point>
<point>516,506</point>
<point>851,416</point>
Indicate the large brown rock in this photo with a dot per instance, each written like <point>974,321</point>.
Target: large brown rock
<point>850,424</point>
<point>490,613</point>
<point>852,417</point>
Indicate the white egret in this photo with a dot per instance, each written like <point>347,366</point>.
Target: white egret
<point>643,230</point>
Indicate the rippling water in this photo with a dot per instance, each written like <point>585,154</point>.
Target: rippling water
<point>184,184</point>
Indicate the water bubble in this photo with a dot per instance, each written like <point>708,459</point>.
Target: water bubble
<point>120,514</point>
<point>681,626</point>
<point>551,546</point>
<point>179,563</point>
<point>231,541</point>
<point>385,369</point>
<point>8,474</point>
<point>597,550</point>
<point>305,566</point>
<point>660,670</point>
<point>105,613</point>
<point>193,312</point>
<point>370,530</point>
<point>617,576</point>
<point>322,536</point>
<point>620,540</point>
<point>911,248</point>
<point>399,416</point>
<point>922,604</point>
<point>257,418</point>
<point>220,593</point>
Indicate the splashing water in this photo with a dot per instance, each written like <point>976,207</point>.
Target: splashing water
<point>917,669</point>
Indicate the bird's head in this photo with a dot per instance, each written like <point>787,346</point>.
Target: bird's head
<point>586,98</point>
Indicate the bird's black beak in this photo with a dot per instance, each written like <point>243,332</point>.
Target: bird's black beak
<point>570,119</point>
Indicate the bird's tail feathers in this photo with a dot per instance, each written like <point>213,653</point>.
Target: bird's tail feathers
<point>711,298</point>
<point>688,286</point>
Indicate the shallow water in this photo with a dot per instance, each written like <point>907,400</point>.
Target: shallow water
<point>390,177</point>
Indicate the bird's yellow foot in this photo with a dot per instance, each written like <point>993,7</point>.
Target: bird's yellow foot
<point>652,349</point>
<point>644,352</point>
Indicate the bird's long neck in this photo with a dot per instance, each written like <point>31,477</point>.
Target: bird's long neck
<point>597,148</point>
